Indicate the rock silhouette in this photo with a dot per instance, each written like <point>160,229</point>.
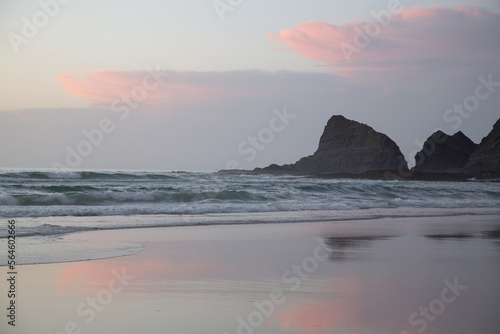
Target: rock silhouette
<point>486,158</point>
<point>347,146</point>
<point>444,153</point>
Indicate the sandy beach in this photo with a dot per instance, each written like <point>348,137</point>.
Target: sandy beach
<point>393,275</point>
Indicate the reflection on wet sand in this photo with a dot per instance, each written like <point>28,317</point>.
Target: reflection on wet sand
<point>493,234</point>
<point>352,241</point>
<point>458,236</point>
<point>344,248</point>
<point>320,314</point>
<point>208,280</point>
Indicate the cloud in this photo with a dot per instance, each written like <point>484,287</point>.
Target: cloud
<point>433,41</point>
<point>186,89</point>
<point>152,87</point>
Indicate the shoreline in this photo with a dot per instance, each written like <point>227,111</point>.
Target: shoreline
<point>261,217</point>
<point>80,235</point>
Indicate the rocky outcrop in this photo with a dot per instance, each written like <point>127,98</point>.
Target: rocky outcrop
<point>486,158</point>
<point>444,153</point>
<point>347,146</point>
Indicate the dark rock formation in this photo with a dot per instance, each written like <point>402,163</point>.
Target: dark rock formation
<point>486,158</point>
<point>349,149</point>
<point>347,146</point>
<point>444,153</point>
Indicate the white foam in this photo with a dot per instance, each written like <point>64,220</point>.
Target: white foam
<point>6,199</point>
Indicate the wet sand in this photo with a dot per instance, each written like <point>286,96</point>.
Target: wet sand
<point>396,275</point>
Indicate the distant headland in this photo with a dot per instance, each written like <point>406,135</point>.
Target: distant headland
<point>349,149</point>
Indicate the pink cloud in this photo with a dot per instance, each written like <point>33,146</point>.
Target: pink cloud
<point>106,86</point>
<point>448,41</point>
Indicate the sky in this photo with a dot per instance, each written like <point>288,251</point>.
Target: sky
<point>204,85</point>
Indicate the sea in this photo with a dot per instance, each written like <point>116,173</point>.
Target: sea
<point>47,206</point>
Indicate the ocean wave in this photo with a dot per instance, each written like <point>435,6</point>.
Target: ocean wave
<point>83,175</point>
<point>216,207</point>
<point>85,193</point>
<point>65,195</point>
<point>6,199</point>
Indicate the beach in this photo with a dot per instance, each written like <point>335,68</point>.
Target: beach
<point>389,275</point>
<point>225,167</point>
